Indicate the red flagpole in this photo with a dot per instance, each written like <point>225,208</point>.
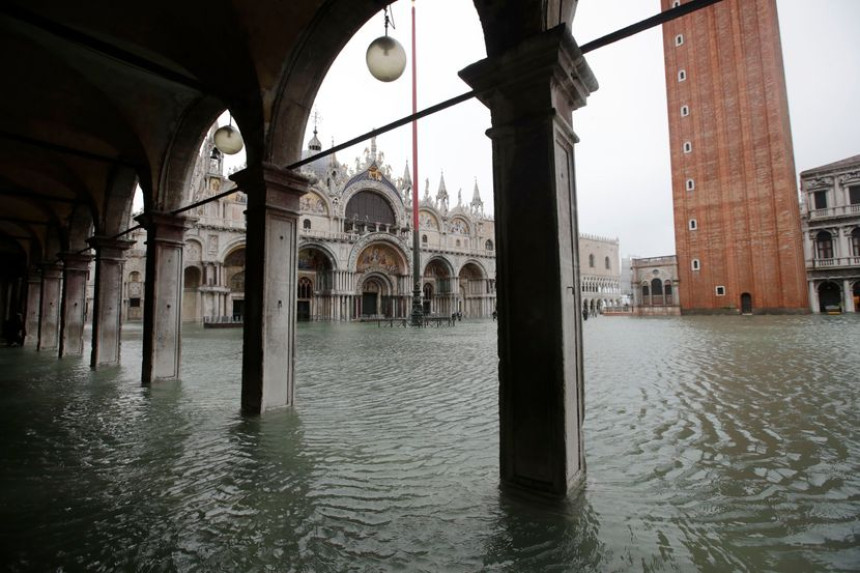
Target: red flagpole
<point>417,307</point>
<point>415,181</point>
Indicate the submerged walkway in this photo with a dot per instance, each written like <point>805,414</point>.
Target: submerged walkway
<point>713,443</point>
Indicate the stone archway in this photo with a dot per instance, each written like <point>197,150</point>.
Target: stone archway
<point>317,269</point>
<point>829,297</point>
<point>439,273</point>
<point>473,302</point>
<point>381,270</point>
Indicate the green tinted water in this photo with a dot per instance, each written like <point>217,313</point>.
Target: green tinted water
<point>713,444</point>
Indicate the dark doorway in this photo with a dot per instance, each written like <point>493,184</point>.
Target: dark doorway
<point>303,311</point>
<point>830,297</point>
<point>368,303</point>
<point>238,309</point>
<point>746,303</point>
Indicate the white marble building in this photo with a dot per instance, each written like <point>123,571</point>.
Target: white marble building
<point>830,210</point>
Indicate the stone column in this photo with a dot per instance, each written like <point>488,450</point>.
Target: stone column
<point>31,318</point>
<point>75,269</point>
<point>531,92</point>
<point>847,296</point>
<point>49,307</point>
<point>107,303</point>
<point>271,274</point>
<point>844,249</point>
<point>162,306</point>
<point>813,298</point>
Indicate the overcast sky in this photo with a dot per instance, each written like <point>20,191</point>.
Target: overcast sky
<point>622,162</point>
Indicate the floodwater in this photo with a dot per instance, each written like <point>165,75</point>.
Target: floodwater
<point>712,443</point>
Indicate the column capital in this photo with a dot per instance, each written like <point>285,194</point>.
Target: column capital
<point>165,227</point>
<point>109,247</point>
<point>51,269</point>
<point>75,261</point>
<point>272,186</point>
<point>513,84</point>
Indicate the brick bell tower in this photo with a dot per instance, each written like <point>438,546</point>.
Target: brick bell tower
<point>737,217</point>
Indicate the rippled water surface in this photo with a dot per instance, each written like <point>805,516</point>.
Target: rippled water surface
<point>713,444</point>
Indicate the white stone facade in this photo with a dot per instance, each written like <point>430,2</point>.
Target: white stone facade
<point>655,286</point>
<point>600,273</point>
<point>355,248</point>
<point>830,210</point>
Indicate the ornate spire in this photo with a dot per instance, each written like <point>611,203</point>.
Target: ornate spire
<point>442,194</point>
<point>315,144</point>
<point>477,204</point>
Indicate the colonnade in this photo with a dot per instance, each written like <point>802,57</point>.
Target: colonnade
<point>531,92</point>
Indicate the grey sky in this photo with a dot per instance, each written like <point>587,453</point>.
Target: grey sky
<point>622,162</point>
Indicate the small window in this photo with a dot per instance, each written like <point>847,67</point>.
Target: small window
<point>458,242</point>
<point>679,39</point>
<point>721,291</point>
<point>690,184</point>
<point>685,110</point>
<point>695,264</point>
<point>134,303</point>
<point>424,239</point>
<point>306,224</point>
<point>820,198</point>
<point>693,225</point>
<point>489,245</point>
<point>688,147</point>
<point>607,264</point>
<point>682,75</point>
<point>591,261</point>
<point>854,195</point>
<point>676,3</point>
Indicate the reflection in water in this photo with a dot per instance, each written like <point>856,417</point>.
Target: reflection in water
<point>713,444</point>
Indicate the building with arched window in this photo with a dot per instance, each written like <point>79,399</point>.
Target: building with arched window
<point>600,273</point>
<point>654,283</point>
<point>830,211</point>
<point>355,248</point>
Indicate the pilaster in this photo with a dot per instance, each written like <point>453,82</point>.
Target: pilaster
<point>49,307</point>
<point>531,92</point>
<point>73,316</point>
<point>271,274</point>
<point>31,317</point>
<point>848,296</point>
<point>814,306</point>
<point>107,303</point>
<point>162,306</point>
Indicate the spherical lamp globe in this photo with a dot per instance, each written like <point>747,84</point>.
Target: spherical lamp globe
<point>228,140</point>
<point>386,59</point>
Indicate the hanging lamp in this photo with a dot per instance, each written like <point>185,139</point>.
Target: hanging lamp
<point>386,58</point>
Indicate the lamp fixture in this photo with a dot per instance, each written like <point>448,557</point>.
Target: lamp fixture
<point>228,140</point>
<point>386,58</point>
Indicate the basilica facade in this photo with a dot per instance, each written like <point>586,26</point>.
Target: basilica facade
<point>355,248</point>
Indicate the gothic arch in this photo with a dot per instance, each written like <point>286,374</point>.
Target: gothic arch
<point>478,264</point>
<point>231,246</point>
<point>395,202</point>
<point>366,240</point>
<point>444,262</point>
<point>323,248</point>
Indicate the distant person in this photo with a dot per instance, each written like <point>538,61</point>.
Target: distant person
<point>584,314</point>
<point>495,314</point>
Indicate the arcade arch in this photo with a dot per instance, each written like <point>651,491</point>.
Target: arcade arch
<point>438,274</point>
